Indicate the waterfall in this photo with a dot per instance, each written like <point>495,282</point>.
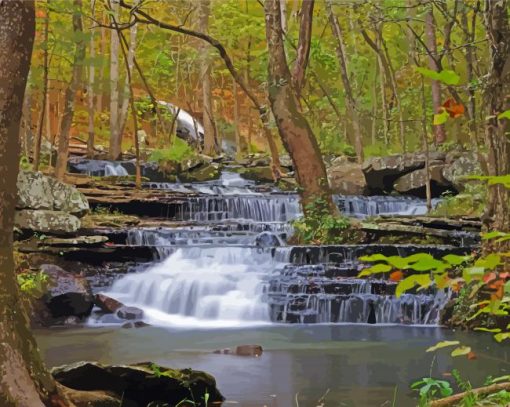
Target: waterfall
<point>115,170</point>
<point>223,286</point>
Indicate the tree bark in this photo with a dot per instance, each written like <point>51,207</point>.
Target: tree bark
<point>430,32</point>
<point>303,49</point>
<point>67,118</point>
<point>295,132</point>
<point>38,140</point>
<point>205,76</point>
<point>24,381</point>
<point>350,102</point>
<point>115,136</point>
<point>90,89</point>
<point>497,100</point>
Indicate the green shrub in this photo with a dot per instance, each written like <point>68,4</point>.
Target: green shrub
<point>34,284</point>
<point>179,152</point>
<point>319,226</point>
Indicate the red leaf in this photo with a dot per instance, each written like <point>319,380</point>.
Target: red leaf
<point>489,277</point>
<point>453,108</point>
<point>471,355</point>
<point>396,276</point>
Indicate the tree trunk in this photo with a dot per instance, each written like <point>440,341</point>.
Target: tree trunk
<point>26,124</point>
<point>295,132</point>
<point>38,140</point>
<point>303,49</point>
<point>205,76</point>
<point>430,32</point>
<point>239,144</point>
<point>123,114</point>
<point>470,58</point>
<point>350,102</point>
<point>67,118</point>
<point>115,136</point>
<point>24,381</point>
<point>90,89</point>
<point>496,94</point>
<point>283,14</point>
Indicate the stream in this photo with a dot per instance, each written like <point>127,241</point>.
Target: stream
<point>228,278</point>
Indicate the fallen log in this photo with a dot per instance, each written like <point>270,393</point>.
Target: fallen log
<point>481,391</point>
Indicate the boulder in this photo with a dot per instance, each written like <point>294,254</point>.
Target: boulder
<point>141,384</point>
<point>414,183</point>
<point>38,191</point>
<point>464,165</point>
<point>34,191</point>
<point>346,178</point>
<point>258,174</point>
<point>205,172</point>
<point>125,312</point>
<point>46,221</point>
<point>382,172</point>
<point>68,294</point>
<point>107,304</point>
<point>249,350</point>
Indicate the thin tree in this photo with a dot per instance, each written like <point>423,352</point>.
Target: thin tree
<point>76,77</point>
<point>24,381</point>
<point>303,48</point>
<point>90,88</point>
<point>350,102</point>
<point>205,77</point>
<point>295,132</point>
<point>115,136</point>
<point>38,140</point>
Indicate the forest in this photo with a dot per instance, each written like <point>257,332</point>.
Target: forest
<point>254,202</point>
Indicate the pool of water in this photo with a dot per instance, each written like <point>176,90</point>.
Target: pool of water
<point>352,365</point>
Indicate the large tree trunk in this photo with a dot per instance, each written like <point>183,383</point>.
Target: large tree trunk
<point>205,76</point>
<point>295,132</point>
<point>24,381</point>
<point>38,140</point>
<point>497,100</point>
<point>67,118</point>
<point>115,136</point>
<point>430,31</point>
<point>349,96</point>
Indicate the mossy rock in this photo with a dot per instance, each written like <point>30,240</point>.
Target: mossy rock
<point>258,174</point>
<point>206,172</point>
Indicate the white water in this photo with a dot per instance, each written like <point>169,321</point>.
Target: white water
<point>202,287</point>
<point>115,170</point>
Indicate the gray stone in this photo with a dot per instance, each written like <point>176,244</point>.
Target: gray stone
<point>130,313</point>
<point>68,294</point>
<point>46,221</point>
<point>417,180</point>
<point>67,198</point>
<point>346,178</point>
<point>463,166</point>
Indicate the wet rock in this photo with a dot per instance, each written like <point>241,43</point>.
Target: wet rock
<point>130,313</point>
<point>267,239</point>
<point>286,162</point>
<point>346,178</point>
<point>68,294</point>
<point>107,304</point>
<point>260,161</point>
<point>414,183</point>
<point>205,172</point>
<point>138,385</point>
<point>135,324</point>
<point>46,221</point>
<point>464,165</point>
<point>249,350</point>
<point>259,174</point>
<point>76,241</point>
<point>382,172</point>
<point>225,351</point>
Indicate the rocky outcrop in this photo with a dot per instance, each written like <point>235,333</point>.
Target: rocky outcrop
<point>346,177</point>
<point>68,294</point>
<point>201,173</point>
<point>140,385</point>
<point>382,172</point>
<point>414,183</point>
<point>46,221</point>
<point>125,312</point>
<point>47,205</point>
<point>462,166</point>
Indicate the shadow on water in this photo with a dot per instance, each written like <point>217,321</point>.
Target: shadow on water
<point>360,364</point>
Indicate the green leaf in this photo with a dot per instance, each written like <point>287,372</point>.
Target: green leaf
<point>374,257</point>
<point>502,336</point>
<point>446,76</point>
<point>442,344</point>
<point>504,115</point>
<point>490,261</point>
<point>397,262</point>
<point>461,351</point>
<point>440,118</point>
<point>507,287</point>
<point>455,260</point>
<point>493,330</point>
<point>375,269</point>
<point>423,280</point>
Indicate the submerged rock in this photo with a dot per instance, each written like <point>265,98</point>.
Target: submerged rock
<point>46,221</point>
<point>129,313</point>
<point>140,384</point>
<point>249,350</point>
<point>68,294</point>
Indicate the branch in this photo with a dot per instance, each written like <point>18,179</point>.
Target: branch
<point>453,400</point>
<point>303,49</point>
